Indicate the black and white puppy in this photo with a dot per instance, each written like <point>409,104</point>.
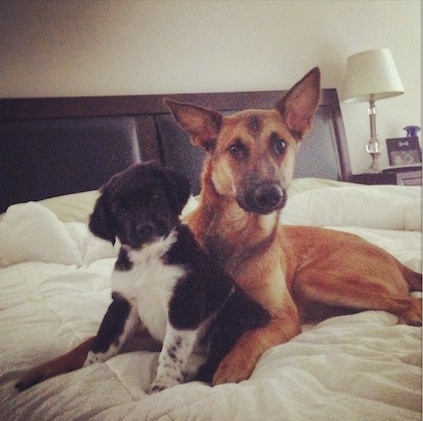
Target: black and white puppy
<point>164,281</point>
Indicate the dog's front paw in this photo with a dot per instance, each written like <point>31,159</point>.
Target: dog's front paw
<point>233,369</point>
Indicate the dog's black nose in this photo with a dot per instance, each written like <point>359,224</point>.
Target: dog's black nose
<point>268,197</point>
<point>264,198</point>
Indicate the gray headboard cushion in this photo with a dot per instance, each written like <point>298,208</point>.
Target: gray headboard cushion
<point>178,152</point>
<point>55,146</point>
<point>44,158</point>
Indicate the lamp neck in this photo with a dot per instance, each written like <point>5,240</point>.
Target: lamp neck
<point>372,116</point>
<point>373,147</point>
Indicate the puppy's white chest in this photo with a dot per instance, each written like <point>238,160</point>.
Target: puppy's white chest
<point>149,285</point>
<point>157,285</point>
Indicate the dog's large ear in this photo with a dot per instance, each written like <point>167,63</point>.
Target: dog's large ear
<point>101,224</point>
<point>298,106</point>
<point>178,188</point>
<point>202,124</point>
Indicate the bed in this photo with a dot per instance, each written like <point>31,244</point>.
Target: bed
<point>56,152</point>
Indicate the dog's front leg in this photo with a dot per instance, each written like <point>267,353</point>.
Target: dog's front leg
<point>175,358</point>
<point>119,323</point>
<point>239,364</point>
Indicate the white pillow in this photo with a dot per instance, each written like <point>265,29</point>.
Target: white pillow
<point>395,208</point>
<point>76,207</point>
<point>31,232</point>
<point>413,217</point>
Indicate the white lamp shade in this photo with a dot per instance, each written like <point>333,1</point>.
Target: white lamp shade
<point>371,75</point>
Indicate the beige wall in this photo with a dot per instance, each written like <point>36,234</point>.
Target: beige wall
<point>113,47</point>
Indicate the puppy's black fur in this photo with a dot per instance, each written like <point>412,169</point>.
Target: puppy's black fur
<point>204,310</point>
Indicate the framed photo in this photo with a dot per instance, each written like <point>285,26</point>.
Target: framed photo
<point>404,151</point>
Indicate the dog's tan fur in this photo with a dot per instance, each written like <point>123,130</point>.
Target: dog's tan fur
<point>297,273</point>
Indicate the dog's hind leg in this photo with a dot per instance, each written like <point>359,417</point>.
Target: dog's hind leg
<point>413,314</point>
<point>107,343</point>
<point>413,279</point>
<point>70,361</point>
<point>74,359</point>
<point>358,293</point>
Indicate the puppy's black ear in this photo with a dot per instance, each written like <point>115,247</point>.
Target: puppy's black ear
<point>101,224</point>
<point>178,188</point>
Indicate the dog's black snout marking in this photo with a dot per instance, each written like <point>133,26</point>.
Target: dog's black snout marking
<point>262,198</point>
<point>145,233</point>
<point>268,197</point>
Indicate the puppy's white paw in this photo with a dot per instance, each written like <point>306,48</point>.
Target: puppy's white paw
<point>155,388</point>
<point>162,384</point>
<point>93,358</point>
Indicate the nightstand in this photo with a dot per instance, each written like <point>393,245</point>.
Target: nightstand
<point>410,176</point>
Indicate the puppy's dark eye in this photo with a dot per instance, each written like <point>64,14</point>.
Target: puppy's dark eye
<point>238,149</point>
<point>153,199</point>
<point>279,145</point>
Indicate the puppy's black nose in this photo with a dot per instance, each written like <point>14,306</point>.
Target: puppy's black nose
<point>144,233</point>
<point>265,198</point>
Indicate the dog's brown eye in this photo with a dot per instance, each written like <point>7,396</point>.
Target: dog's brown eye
<point>279,145</point>
<point>238,149</point>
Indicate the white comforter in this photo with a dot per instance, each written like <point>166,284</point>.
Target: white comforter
<point>54,280</point>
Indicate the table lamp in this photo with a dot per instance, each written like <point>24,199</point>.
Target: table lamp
<point>370,76</point>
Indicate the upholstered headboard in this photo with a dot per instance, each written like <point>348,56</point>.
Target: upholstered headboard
<point>55,146</point>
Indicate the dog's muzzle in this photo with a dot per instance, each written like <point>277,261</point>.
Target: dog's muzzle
<point>142,234</point>
<point>263,198</point>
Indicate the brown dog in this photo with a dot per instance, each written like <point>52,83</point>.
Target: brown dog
<point>296,273</point>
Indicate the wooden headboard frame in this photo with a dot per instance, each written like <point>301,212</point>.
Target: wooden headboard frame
<point>55,146</point>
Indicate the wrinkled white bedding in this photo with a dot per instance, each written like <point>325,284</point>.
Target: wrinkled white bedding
<point>55,289</point>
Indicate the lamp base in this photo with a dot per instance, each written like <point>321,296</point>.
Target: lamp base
<point>374,148</point>
<point>376,166</point>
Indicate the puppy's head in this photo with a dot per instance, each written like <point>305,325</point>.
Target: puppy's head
<point>140,204</point>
